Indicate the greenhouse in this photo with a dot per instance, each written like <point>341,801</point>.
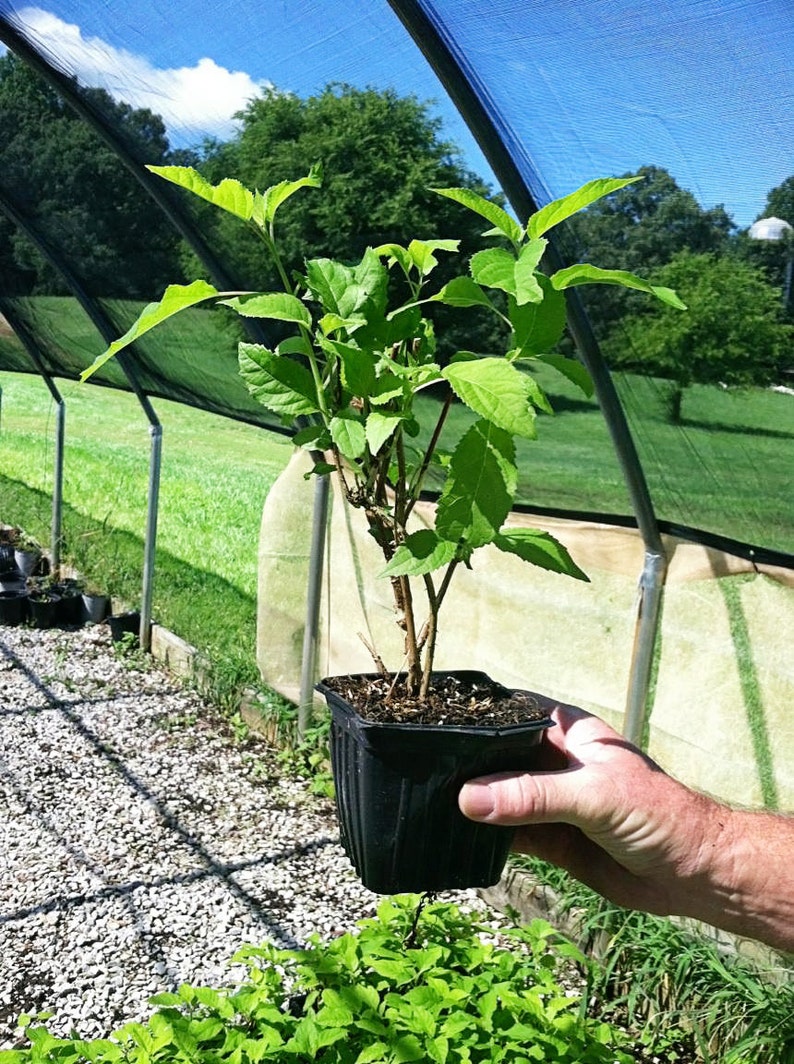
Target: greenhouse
<point>632,160</point>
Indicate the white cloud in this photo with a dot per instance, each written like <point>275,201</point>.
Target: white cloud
<point>193,101</point>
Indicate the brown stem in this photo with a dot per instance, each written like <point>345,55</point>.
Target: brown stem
<point>420,476</point>
<point>411,649</point>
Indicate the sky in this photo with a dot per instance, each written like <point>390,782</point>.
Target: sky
<point>584,88</point>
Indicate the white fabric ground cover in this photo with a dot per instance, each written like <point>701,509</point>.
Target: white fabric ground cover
<point>140,843</point>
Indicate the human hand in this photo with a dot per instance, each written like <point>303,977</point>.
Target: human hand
<point>608,814</point>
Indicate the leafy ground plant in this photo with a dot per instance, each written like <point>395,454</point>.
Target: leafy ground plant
<point>362,347</point>
<point>407,986</point>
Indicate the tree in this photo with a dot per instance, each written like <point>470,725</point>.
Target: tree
<point>60,173</point>
<point>775,257</point>
<point>381,153</point>
<point>732,333</point>
<point>640,228</point>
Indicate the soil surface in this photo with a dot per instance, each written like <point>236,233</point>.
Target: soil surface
<point>467,699</point>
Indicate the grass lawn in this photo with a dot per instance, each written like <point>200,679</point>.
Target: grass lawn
<point>215,476</point>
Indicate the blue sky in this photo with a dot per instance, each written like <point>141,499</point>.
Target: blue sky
<point>589,88</point>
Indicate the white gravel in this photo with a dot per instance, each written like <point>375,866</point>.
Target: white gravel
<point>140,843</point>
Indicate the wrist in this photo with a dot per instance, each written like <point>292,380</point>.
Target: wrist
<point>742,880</point>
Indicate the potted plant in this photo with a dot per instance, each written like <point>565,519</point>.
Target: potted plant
<point>44,602</point>
<point>96,604</point>
<point>360,351</point>
<point>27,552</point>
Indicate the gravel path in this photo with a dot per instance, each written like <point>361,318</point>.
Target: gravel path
<point>140,844</point>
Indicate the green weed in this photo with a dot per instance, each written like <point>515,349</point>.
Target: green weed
<point>434,988</point>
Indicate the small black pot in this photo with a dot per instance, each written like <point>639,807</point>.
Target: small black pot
<point>13,606</point>
<point>44,609</point>
<point>122,624</point>
<point>397,791</point>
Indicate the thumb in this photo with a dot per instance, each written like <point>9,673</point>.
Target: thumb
<point>512,798</point>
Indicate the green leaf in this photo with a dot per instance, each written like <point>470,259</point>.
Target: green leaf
<point>462,292</point>
<point>176,297</point>
<point>572,369</point>
<point>380,428</point>
<point>539,326</point>
<point>396,253</point>
<point>494,268</point>
<point>498,268</point>
<point>229,195</point>
<point>528,288</point>
<point>283,386</point>
<point>274,196</point>
<point>278,306</point>
<point>539,548</point>
<point>480,487</point>
<point>422,552</point>
<point>421,253</point>
<point>584,273</point>
<point>497,391</point>
<point>358,368</point>
<point>492,213</point>
<point>329,281</point>
<point>377,1052</point>
<point>560,209</point>
<point>347,432</point>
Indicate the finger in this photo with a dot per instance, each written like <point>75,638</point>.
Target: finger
<point>512,798</point>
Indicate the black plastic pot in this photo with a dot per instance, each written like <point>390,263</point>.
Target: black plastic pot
<point>13,606</point>
<point>44,609</point>
<point>122,624</point>
<point>397,791</point>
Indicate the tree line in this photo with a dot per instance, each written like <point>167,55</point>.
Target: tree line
<point>381,153</point>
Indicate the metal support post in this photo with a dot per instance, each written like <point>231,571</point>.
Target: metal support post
<point>313,598</point>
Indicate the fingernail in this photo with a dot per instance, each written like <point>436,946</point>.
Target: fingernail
<point>476,801</point>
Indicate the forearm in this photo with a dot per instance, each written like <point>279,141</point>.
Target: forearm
<point>744,882</point>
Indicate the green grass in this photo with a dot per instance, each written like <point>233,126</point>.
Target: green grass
<point>665,981</point>
<point>215,476</point>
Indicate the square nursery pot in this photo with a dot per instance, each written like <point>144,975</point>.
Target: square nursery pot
<point>397,791</point>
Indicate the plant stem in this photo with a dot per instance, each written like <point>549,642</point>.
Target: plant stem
<point>416,485</point>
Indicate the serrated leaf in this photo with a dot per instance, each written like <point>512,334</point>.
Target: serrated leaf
<point>331,323</point>
<point>229,195</point>
<point>294,345</point>
<point>422,253</point>
<point>328,281</point>
<point>358,368</point>
<point>480,486</point>
<point>283,386</point>
<point>572,369</point>
<point>348,433</point>
<point>278,306</point>
<point>497,391</point>
<point>462,292</point>
<point>177,297</point>
<point>380,428</point>
<point>538,327</point>
<point>396,253</point>
<point>539,548</point>
<point>422,552</point>
<point>313,436</point>
<point>528,287</point>
<point>492,213</point>
<point>494,268</point>
<point>560,209</point>
<point>274,196</point>
<point>584,273</point>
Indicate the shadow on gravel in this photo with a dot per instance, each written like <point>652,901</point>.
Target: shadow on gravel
<point>210,869</point>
